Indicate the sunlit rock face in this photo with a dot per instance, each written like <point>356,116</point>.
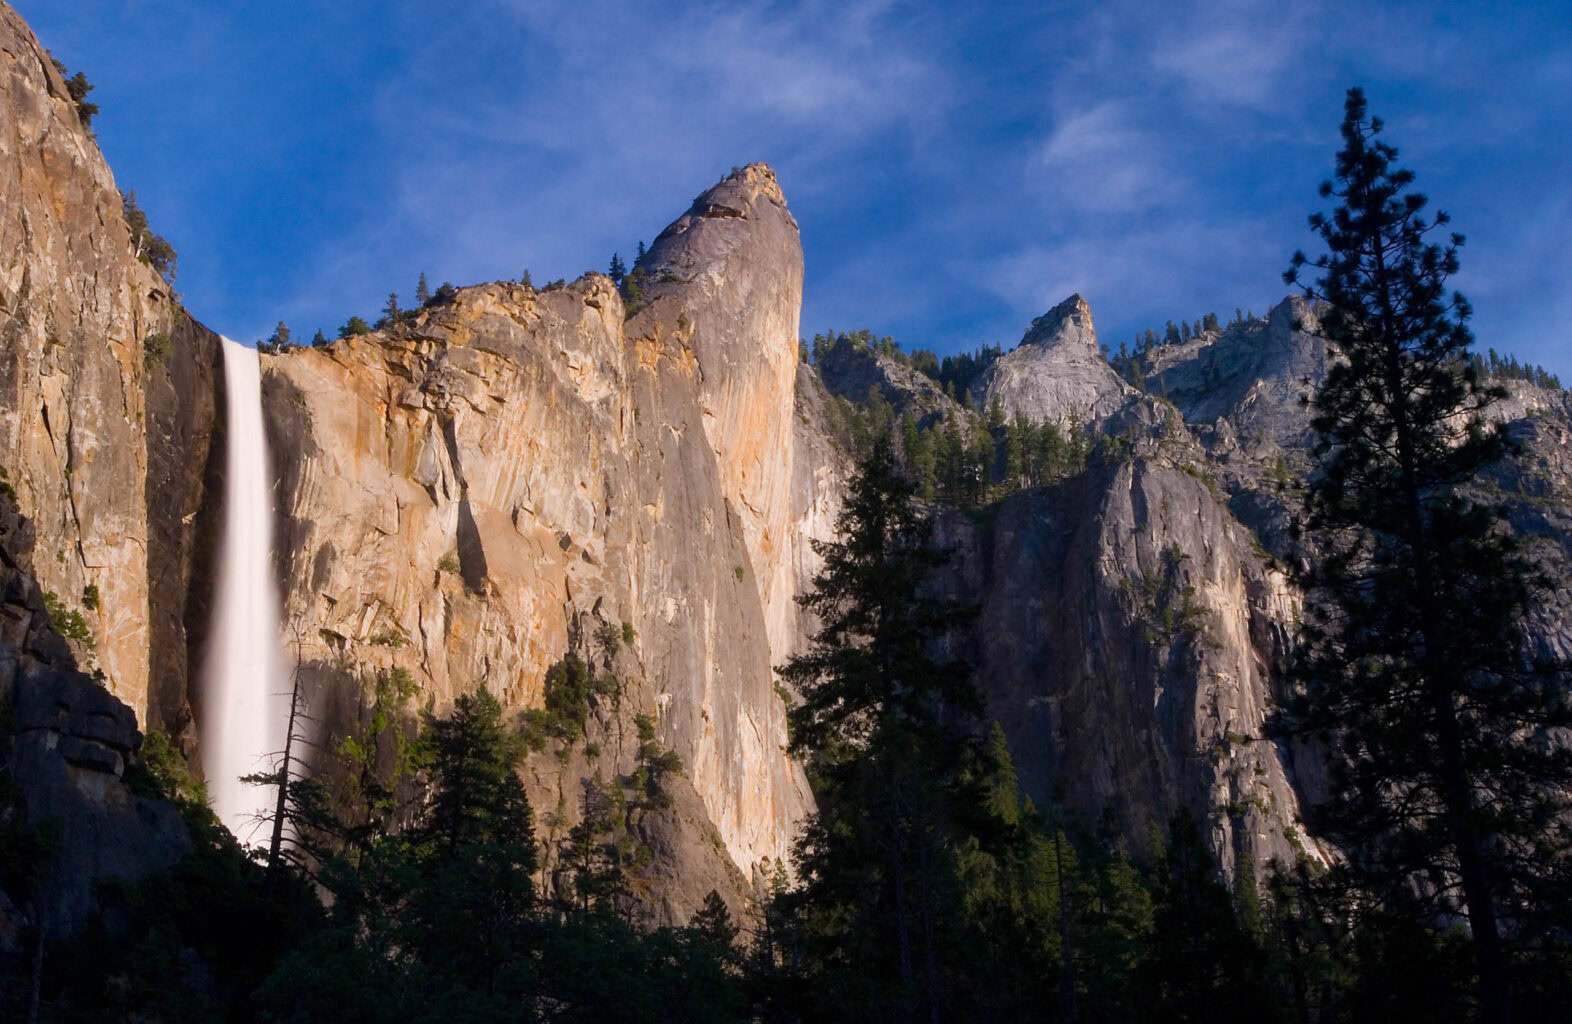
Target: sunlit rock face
<point>1056,373</point>
<point>473,494</point>
<point>76,307</point>
<point>1256,375</point>
<point>733,263</point>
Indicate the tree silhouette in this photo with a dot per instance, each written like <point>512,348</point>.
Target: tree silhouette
<point>1416,669</point>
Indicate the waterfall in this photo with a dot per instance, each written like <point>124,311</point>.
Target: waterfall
<point>244,704</point>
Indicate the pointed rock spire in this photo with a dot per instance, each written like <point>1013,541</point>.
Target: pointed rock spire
<point>1066,326</point>
<point>1057,373</point>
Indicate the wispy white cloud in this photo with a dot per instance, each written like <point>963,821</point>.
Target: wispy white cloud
<point>1237,54</point>
<point>1099,160</point>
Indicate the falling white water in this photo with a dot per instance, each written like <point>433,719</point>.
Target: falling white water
<point>244,704</point>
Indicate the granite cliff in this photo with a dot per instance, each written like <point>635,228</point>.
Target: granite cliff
<point>1057,374</point>
<point>78,308</point>
<point>516,475</point>
<point>497,483</point>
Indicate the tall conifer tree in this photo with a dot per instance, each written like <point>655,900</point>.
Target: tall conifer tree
<point>1416,669</point>
<point>888,728</point>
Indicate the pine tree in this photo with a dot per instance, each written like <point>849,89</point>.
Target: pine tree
<point>887,730</point>
<point>422,290</point>
<point>77,87</point>
<point>616,271</point>
<point>477,797</point>
<point>1415,668</point>
<point>391,310</point>
<point>280,335</point>
<point>979,464</point>
<point>1017,439</point>
<point>150,247</point>
<point>319,339</point>
<point>1199,964</point>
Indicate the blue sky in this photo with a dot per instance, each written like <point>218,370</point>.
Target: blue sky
<point>956,169</point>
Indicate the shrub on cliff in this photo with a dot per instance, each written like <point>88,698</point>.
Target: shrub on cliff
<point>77,87</point>
<point>150,247</point>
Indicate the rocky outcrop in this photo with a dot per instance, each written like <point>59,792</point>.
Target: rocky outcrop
<point>1057,373</point>
<point>65,749</point>
<point>76,308</point>
<point>517,475</point>
<point>857,372</point>
<point>1255,375</point>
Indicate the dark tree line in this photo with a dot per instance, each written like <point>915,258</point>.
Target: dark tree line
<point>1492,364</point>
<point>955,374</point>
<point>964,459</point>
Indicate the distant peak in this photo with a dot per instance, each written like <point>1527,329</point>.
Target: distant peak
<point>1067,325</point>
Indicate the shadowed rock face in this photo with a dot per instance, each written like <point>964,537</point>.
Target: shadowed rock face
<point>857,373</point>
<point>1057,372</point>
<point>75,309</point>
<point>185,491</point>
<point>518,474</point>
<point>1129,642</point>
<point>73,743</point>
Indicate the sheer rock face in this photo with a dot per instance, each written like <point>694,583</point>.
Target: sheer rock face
<point>185,497</point>
<point>519,474</point>
<point>475,493</point>
<point>1129,642</point>
<point>1057,372</point>
<point>75,308</point>
<point>734,263</point>
<point>820,472</point>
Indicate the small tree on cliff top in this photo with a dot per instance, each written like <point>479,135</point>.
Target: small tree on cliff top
<point>1416,669</point>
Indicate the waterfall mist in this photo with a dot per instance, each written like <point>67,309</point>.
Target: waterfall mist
<point>244,704</point>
